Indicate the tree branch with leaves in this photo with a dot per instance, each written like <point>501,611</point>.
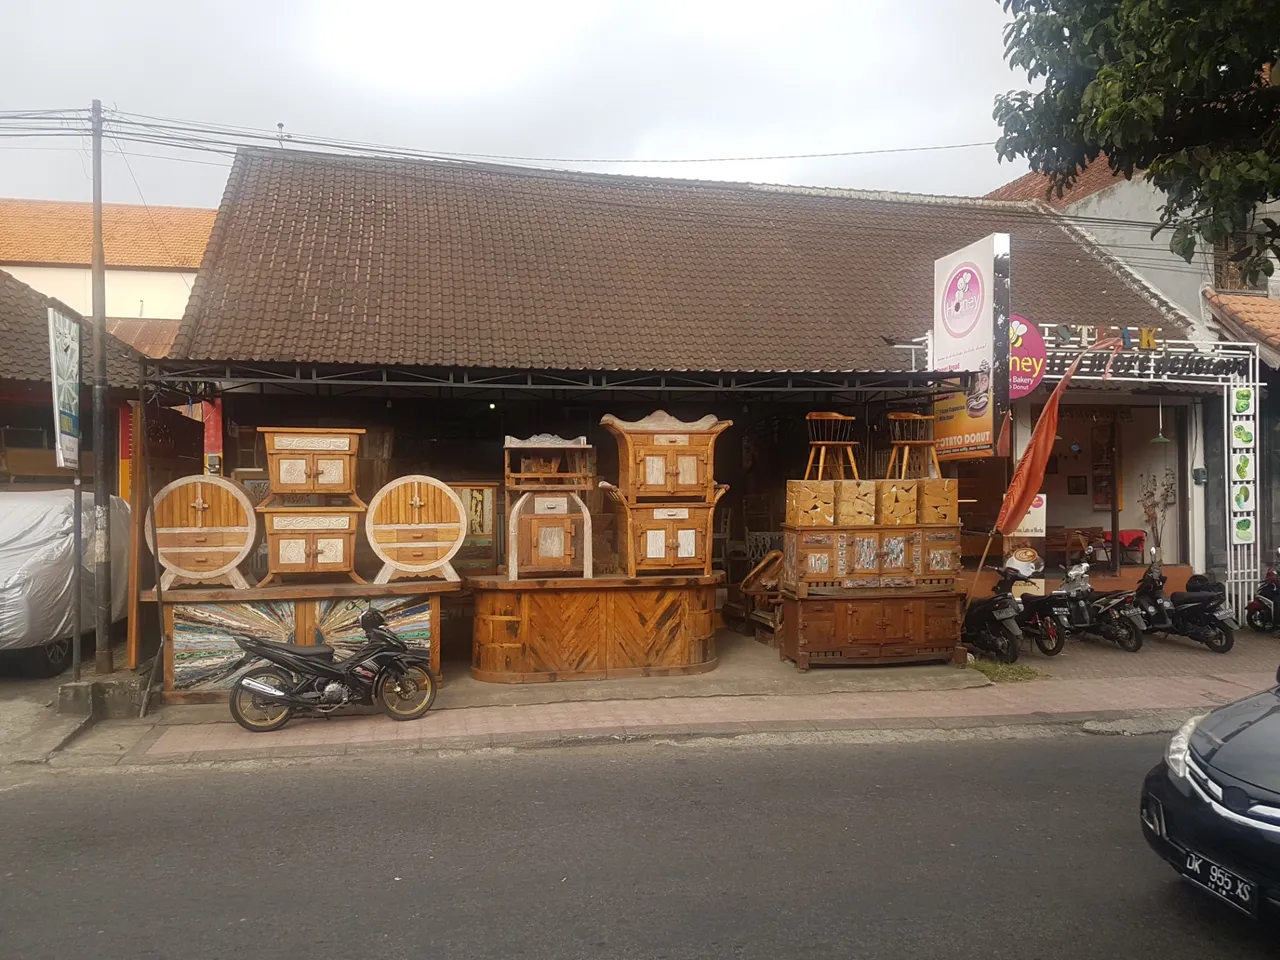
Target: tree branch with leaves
<point>1179,91</point>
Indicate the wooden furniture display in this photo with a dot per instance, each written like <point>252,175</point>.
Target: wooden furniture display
<point>548,523</point>
<point>831,442</point>
<point>872,628</point>
<point>761,592</point>
<point>481,547</point>
<point>530,631</point>
<point>415,525</point>
<point>202,661</point>
<point>662,458</point>
<point>897,501</point>
<point>666,536</point>
<point>855,502</point>
<point>939,501</point>
<point>310,540</point>
<point>204,529</point>
<point>835,559</point>
<point>911,433</point>
<point>315,460</point>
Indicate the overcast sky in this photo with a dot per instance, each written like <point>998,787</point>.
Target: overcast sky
<point>647,79</point>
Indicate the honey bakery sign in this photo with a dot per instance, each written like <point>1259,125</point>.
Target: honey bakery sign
<point>971,335</point>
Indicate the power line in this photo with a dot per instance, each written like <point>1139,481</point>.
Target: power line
<point>150,217</point>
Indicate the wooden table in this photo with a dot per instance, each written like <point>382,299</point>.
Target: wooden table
<point>202,622</point>
<point>568,628</point>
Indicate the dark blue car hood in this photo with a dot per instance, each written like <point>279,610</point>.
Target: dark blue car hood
<point>1242,740</point>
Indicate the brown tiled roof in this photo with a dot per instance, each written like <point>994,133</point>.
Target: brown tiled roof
<point>24,333</point>
<point>153,338</point>
<point>53,232</point>
<point>1035,186</point>
<point>1253,315</point>
<point>329,259</point>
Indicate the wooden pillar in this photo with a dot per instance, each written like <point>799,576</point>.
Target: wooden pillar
<point>138,506</point>
<point>1115,493</point>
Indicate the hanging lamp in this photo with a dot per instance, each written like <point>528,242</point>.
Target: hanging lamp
<point>1160,437</point>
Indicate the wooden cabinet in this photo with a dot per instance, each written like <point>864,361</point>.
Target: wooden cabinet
<point>856,558</point>
<point>303,460</point>
<point>415,526</point>
<point>204,529</point>
<point>662,458</point>
<point>667,536</point>
<point>310,540</point>
<point>549,543</point>
<point>871,628</point>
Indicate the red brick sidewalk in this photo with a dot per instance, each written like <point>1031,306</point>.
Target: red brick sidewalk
<point>478,727</point>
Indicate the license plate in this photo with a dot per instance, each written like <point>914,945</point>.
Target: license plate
<point>1060,611</point>
<point>1222,614</point>
<point>1006,614</point>
<point>1236,890</point>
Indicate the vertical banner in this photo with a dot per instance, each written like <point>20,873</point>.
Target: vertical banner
<point>1241,404</point>
<point>1024,548</point>
<point>64,363</point>
<point>971,304</point>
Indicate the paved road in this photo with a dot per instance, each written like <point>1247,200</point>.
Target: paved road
<point>986,850</point>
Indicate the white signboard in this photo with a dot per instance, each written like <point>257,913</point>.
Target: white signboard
<point>964,285</point>
<point>64,363</point>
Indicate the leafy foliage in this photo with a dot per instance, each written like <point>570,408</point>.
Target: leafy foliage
<point>1180,90</point>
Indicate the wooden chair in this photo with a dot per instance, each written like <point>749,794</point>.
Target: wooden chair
<point>1055,543</point>
<point>834,432</point>
<point>908,432</point>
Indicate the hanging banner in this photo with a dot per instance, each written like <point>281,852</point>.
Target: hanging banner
<point>64,365</point>
<point>971,335</point>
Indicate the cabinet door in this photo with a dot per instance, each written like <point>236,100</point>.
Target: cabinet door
<point>895,554</point>
<point>654,470</point>
<point>290,553</point>
<point>330,473</point>
<point>898,619</point>
<point>654,546</point>
<point>329,552</point>
<point>688,471</point>
<point>293,473</point>
<point>942,620</point>
<point>862,562</point>
<point>863,621</point>
<point>551,542</point>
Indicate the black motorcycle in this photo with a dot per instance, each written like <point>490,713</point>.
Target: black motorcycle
<point>1263,612</point>
<point>1199,613</point>
<point>1119,619</point>
<point>991,625</point>
<point>1036,615</point>
<point>1082,611</point>
<point>383,671</point>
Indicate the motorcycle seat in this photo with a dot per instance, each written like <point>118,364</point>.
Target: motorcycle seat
<point>1201,597</point>
<point>315,650</point>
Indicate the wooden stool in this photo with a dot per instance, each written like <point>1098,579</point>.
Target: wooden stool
<point>831,431</point>
<point>909,431</point>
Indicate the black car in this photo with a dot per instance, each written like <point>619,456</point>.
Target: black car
<point>1211,808</point>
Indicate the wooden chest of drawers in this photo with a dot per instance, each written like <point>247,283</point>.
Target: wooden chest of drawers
<point>872,628</point>
<point>310,540</point>
<point>312,460</point>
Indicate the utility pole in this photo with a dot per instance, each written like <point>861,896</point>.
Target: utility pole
<point>101,495</point>
<point>77,535</point>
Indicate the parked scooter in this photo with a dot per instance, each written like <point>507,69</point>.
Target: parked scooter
<point>1119,619</point>
<point>991,625</point>
<point>384,671</point>
<point>1261,613</point>
<point>1199,613</point>
<point>1037,618</point>
<point>1081,610</point>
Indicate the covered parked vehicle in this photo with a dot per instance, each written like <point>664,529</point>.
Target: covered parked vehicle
<point>37,556</point>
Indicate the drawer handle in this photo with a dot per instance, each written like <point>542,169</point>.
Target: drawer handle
<point>200,539</point>
<point>199,559</point>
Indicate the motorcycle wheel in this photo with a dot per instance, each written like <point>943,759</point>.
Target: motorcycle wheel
<point>256,714</point>
<point>1050,640</point>
<point>1127,635</point>
<point>1006,649</point>
<point>405,697</point>
<point>1221,638</point>
<point>1259,621</point>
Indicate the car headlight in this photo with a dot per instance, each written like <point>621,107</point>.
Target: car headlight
<point>1175,754</point>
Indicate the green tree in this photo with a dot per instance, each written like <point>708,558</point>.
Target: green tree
<point>1180,91</point>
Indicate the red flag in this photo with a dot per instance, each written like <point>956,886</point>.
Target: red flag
<point>1029,474</point>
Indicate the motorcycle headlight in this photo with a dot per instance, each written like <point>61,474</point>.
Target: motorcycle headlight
<point>1175,754</point>
<point>1149,608</point>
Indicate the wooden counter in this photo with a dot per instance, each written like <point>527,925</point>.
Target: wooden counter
<point>530,631</point>
<point>200,662</point>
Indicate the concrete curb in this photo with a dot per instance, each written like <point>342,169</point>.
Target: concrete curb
<point>892,730</point>
<point>60,734</point>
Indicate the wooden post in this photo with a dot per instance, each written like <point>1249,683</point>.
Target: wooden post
<point>981,563</point>
<point>1115,493</point>
<point>137,517</point>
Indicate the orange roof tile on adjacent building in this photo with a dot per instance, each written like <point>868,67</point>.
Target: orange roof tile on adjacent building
<point>153,338</point>
<point>49,232</point>
<point>1035,186</point>
<point>1253,315</point>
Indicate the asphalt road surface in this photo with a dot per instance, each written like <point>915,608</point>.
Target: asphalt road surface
<point>991,850</point>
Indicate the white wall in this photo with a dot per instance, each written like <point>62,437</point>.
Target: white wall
<point>1137,201</point>
<point>148,294</point>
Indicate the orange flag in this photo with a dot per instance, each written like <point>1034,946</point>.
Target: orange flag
<point>1029,474</point>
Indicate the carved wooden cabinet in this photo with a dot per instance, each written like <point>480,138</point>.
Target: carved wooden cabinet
<point>416,524</point>
<point>662,458</point>
<point>204,529</point>
<point>312,460</point>
<point>666,536</point>
<point>310,540</point>
<point>548,523</point>
<point>833,559</point>
<point>871,628</point>
<point>552,535</point>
